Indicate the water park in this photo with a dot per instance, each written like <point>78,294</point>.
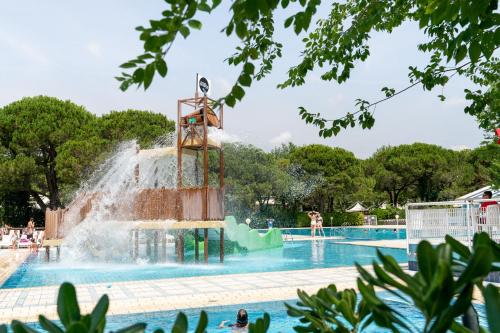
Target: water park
<point>218,211</point>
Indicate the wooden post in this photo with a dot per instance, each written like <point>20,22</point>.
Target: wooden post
<point>205,244</point>
<point>47,253</point>
<point>155,245</point>
<point>164,246</point>
<point>131,242</point>
<point>136,252</point>
<point>205,160</point>
<point>58,252</point>
<point>179,145</point>
<point>221,254</point>
<point>196,246</point>
<point>181,246</point>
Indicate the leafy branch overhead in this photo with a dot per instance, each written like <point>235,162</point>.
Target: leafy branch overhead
<point>463,33</point>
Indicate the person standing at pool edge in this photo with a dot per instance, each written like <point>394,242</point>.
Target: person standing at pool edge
<point>312,215</point>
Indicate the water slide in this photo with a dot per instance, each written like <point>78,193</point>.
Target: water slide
<point>251,239</point>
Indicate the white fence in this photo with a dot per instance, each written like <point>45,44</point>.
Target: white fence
<point>459,219</point>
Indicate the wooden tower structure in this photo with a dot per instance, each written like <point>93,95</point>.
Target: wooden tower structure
<point>195,117</point>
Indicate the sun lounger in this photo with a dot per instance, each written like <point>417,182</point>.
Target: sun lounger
<point>24,242</point>
<point>6,241</point>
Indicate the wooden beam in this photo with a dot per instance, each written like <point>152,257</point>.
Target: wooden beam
<point>205,244</point>
<point>196,245</point>
<point>221,253</point>
<point>181,246</point>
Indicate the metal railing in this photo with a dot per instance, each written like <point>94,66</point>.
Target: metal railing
<point>432,221</point>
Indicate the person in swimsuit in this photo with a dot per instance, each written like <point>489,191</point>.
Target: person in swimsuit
<point>319,224</point>
<point>241,324</point>
<point>312,215</point>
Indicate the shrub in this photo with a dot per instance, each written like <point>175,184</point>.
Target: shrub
<point>339,219</point>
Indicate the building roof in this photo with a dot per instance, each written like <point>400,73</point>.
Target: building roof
<point>479,193</point>
<point>357,208</point>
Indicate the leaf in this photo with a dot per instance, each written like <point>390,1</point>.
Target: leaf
<point>77,327</point>
<point>249,68</point>
<point>238,92</point>
<point>67,304</point>
<point>461,53</point>
<point>195,24</point>
<point>136,328</point>
<point>181,324</point>
<point>457,247</point>
<point>241,30</point>
<point>491,296</point>
<point>148,75</point>
<point>245,80</point>
<point>230,100</point>
<point>19,327</point>
<point>202,323</point>
<point>161,67</point>
<point>128,65</point>
<point>288,21</point>
<point>184,31</point>
<point>474,51</point>
<point>98,314</point>
<point>427,260</point>
<point>49,325</point>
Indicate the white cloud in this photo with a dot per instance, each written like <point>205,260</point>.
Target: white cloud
<point>283,137</point>
<point>94,49</point>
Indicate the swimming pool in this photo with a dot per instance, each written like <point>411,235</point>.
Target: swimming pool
<point>293,256</point>
<point>351,234</point>
<point>280,322</point>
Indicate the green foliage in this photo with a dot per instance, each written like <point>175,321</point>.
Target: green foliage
<point>32,131</point>
<point>336,218</point>
<point>442,288</point>
<point>143,126</point>
<point>47,146</point>
<point>461,33</point>
<point>330,310</point>
<point>16,209</point>
<point>388,213</point>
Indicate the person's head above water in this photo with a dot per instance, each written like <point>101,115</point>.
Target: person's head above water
<point>242,318</point>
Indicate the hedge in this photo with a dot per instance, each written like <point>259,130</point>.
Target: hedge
<point>339,219</point>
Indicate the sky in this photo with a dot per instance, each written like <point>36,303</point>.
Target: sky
<point>73,49</point>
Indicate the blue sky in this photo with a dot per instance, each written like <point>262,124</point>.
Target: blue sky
<point>72,50</point>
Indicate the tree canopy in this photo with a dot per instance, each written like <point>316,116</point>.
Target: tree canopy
<point>461,37</point>
<point>47,146</point>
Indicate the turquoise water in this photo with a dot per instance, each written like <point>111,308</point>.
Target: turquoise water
<point>293,256</point>
<point>279,320</point>
<point>354,233</point>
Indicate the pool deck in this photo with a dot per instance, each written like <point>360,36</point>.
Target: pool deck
<point>10,261</point>
<point>175,294</point>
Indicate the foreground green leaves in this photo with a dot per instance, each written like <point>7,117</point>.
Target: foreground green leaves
<point>461,37</point>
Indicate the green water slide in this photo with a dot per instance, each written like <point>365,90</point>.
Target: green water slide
<point>251,239</point>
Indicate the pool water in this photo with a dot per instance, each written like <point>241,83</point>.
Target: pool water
<point>35,271</point>
<point>280,322</point>
<point>351,234</point>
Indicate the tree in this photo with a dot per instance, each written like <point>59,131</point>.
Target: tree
<point>48,146</point>
<point>144,126</point>
<point>32,132</point>
<point>465,32</point>
<point>339,169</point>
<point>418,171</point>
